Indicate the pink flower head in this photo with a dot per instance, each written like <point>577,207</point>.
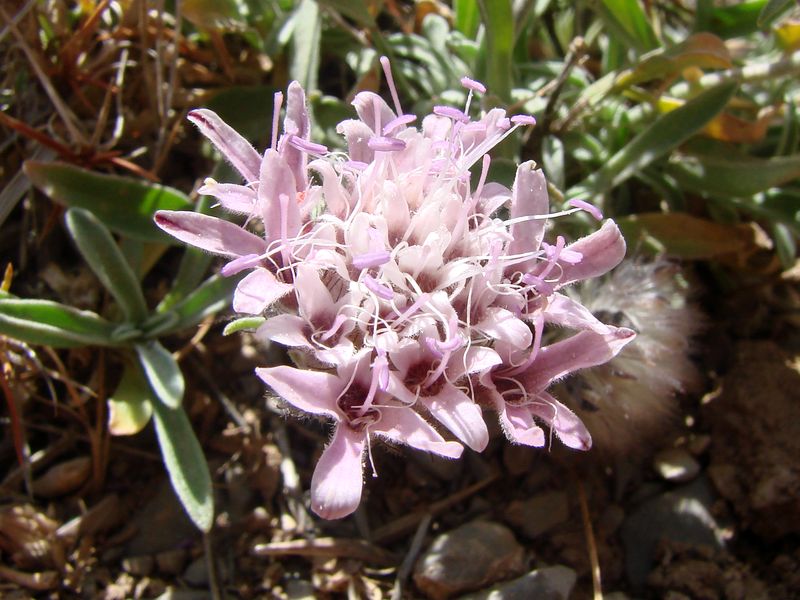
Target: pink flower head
<point>410,300</point>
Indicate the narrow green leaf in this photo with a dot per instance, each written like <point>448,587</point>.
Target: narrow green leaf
<point>53,324</point>
<point>737,177</point>
<point>626,20</point>
<point>498,19</point>
<point>735,19</point>
<point>243,324</point>
<point>306,35</point>
<point>211,297</point>
<point>102,254</point>
<point>186,464</point>
<point>467,17</point>
<point>772,10</point>
<point>162,372</point>
<point>785,245</point>
<point>131,404</point>
<point>357,10</point>
<point>666,133</point>
<point>123,204</point>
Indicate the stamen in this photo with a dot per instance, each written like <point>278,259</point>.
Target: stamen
<point>387,71</point>
<point>385,144</point>
<point>590,208</point>
<point>371,259</point>
<point>373,285</point>
<point>307,146</point>
<point>276,117</point>
<point>237,265</point>
<point>451,113</point>
<point>472,85</point>
<point>398,122</point>
<point>523,120</point>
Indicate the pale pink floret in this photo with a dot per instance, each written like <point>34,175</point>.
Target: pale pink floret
<point>405,298</point>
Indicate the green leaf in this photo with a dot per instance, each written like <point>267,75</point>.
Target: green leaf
<point>785,245</point>
<point>664,134</point>
<point>53,324</point>
<point>211,297</point>
<point>626,21</point>
<point>162,372</point>
<point>498,19</point>
<point>734,20</point>
<point>124,205</point>
<point>736,177</point>
<point>243,324</point>
<point>186,464</point>
<point>357,10</point>
<point>682,236</point>
<point>131,404</point>
<point>772,10</point>
<point>467,17</point>
<point>304,61</point>
<point>102,254</point>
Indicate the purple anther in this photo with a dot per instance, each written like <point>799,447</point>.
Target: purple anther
<point>471,84</point>
<point>239,264</point>
<point>474,127</point>
<point>385,144</point>
<point>451,113</point>
<point>523,120</point>
<point>570,256</point>
<point>381,291</point>
<point>307,145</point>
<point>398,122</point>
<point>355,165</point>
<point>433,347</point>
<point>540,284</point>
<point>371,259</point>
<point>590,208</point>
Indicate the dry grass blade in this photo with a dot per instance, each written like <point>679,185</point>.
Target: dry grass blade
<point>328,548</point>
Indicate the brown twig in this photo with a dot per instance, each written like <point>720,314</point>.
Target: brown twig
<point>597,584</point>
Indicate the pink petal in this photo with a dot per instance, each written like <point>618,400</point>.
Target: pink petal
<point>566,425</point>
<point>357,134</point>
<point>402,424</point>
<point>296,123</point>
<point>459,413</point>
<point>365,104</point>
<point>337,481</point>
<point>472,359</point>
<point>602,251</point>
<point>316,302</point>
<point>209,233</point>
<point>232,197</point>
<point>564,311</point>
<point>311,391</point>
<point>529,197</point>
<point>503,325</point>
<point>257,291</point>
<point>231,145</point>
<point>289,330</point>
<point>336,198</point>
<point>517,423</point>
<point>276,181</point>
<point>582,350</point>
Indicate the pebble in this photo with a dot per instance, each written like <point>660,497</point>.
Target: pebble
<point>676,464</point>
<point>63,478</point>
<point>682,515</point>
<point>546,583</point>
<point>538,514</point>
<point>468,558</point>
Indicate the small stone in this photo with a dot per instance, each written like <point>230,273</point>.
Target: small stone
<point>63,478</point>
<point>140,566</point>
<point>683,515</point>
<point>547,583</point>
<point>468,558</point>
<point>676,464</point>
<point>300,589</point>
<point>196,574</point>
<point>538,514</point>
<point>171,562</point>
